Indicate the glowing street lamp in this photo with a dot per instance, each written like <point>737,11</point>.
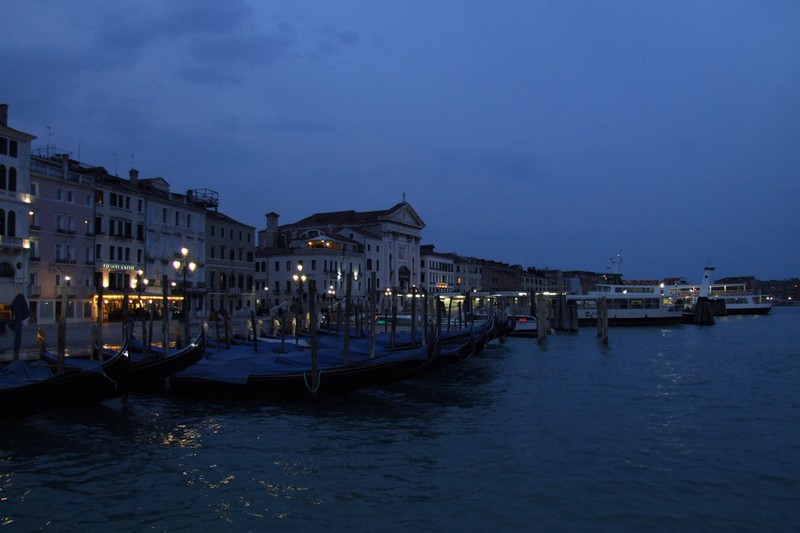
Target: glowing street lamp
<point>185,267</point>
<point>332,298</point>
<point>139,284</point>
<point>299,278</point>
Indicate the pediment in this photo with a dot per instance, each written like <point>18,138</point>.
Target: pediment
<point>406,215</point>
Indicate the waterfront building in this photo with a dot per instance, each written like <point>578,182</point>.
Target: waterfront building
<point>62,246</point>
<point>174,222</point>
<point>534,281</point>
<point>230,246</point>
<point>498,276</point>
<point>119,237</point>
<point>327,259</point>
<point>468,274</point>
<point>332,246</point>
<point>437,271</point>
<point>15,199</point>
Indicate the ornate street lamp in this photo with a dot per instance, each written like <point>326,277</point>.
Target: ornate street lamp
<point>139,284</point>
<point>185,267</point>
<point>299,278</point>
<point>332,299</point>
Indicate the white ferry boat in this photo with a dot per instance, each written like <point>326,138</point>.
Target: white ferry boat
<point>629,305</point>
<point>738,299</point>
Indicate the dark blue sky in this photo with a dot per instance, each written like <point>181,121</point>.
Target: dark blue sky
<point>551,134</point>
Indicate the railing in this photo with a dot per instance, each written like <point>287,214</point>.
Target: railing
<point>10,242</point>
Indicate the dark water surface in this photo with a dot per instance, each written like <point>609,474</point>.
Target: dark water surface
<point>666,428</point>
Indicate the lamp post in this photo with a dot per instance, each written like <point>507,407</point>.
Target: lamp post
<point>299,278</point>
<point>139,284</point>
<point>331,300</point>
<point>186,268</point>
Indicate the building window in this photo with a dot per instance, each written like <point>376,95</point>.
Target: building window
<point>11,229</point>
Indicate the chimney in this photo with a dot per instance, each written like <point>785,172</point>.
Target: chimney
<point>133,174</point>
<point>3,114</point>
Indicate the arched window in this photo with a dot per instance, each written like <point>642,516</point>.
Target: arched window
<point>12,179</point>
<point>2,221</point>
<point>12,224</point>
<point>2,176</point>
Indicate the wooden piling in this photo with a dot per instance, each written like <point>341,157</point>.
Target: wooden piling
<point>602,319</point>
<point>255,331</point>
<point>393,335</point>
<point>312,334</point>
<point>574,323</point>
<point>425,334</point>
<point>61,339</point>
<point>541,319</point>
<point>99,315</point>
<point>703,312</point>
<point>373,309</point>
<point>413,316</point>
<point>347,305</point>
<point>165,315</point>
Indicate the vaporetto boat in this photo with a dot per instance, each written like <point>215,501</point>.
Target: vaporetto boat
<point>739,300</point>
<point>629,305</point>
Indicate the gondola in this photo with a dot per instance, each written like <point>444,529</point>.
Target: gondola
<point>242,373</point>
<point>28,387</point>
<point>151,371</point>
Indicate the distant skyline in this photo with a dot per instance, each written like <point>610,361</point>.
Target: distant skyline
<point>551,134</point>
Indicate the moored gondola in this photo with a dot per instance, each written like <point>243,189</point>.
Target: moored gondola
<point>28,387</point>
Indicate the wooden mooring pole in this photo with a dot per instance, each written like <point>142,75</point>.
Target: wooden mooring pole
<point>602,319</point>
<point>541,319</point>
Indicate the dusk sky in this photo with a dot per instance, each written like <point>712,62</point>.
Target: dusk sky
<point>545,133</point>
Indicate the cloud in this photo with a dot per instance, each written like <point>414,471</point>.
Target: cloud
<point>332,40</point>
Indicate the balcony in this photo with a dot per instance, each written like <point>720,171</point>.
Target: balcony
<point>11,242</point>
<point>34,291</point>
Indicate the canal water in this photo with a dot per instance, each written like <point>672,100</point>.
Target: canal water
<point>669,428</point>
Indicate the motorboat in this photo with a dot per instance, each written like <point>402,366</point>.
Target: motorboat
<point>524,326</point>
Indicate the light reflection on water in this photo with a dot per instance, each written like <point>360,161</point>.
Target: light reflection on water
<point>673,428</point>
